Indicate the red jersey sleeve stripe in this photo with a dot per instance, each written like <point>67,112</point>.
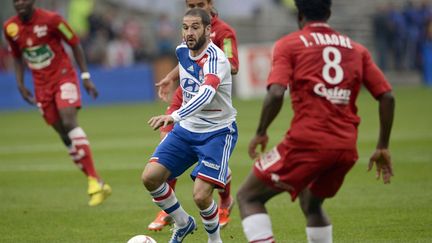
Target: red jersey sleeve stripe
<point>212,80</point>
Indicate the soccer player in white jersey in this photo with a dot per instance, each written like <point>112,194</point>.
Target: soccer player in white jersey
<point>204,130</point>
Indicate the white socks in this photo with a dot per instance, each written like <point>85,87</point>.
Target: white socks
<point>319,234</point>
<point>165,198</point>
<point>210,219</point>
<point>257,228</point>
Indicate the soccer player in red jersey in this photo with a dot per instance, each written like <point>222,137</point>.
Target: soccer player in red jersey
<point>224,37</point>
<point>324,71</point>
<point>35,37</point>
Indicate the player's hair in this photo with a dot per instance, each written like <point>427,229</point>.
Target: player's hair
<point>213,11</point>
<point>205,18</point>
<point>314,9</point>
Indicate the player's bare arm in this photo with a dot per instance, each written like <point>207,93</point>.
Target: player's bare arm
<point>165,85</point>
<point>19,74</point>
<point>158,121</point>
<point>80,59</point>
<point>271,108</point>
<point>381,157</point>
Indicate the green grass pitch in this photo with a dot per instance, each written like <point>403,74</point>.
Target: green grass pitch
<point>43,195</point>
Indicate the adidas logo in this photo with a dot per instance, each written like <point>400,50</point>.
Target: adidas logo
<point>191,68</point>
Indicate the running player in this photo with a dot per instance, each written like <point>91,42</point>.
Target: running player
<point>35,36</point>
<point>324,71</point>
<point>204,133</point>
<point>223,36</point>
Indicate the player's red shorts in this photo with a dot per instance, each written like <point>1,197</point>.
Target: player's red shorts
<point>292,170</point>
<point>54,96</point>
<point>175,105</point>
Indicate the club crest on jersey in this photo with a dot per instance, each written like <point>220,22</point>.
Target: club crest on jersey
<point>190,85</point>
<point>40,30</point>
<point>12,30</point>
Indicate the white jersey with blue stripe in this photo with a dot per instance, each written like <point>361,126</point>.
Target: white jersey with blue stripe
<point>205,107</point>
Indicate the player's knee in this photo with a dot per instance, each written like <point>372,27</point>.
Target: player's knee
<point>202,199</point>
<point>310,205</point>
<point>150,181</point>
<point>69,124</point>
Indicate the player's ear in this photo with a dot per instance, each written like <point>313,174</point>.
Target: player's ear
<point>208,30</point>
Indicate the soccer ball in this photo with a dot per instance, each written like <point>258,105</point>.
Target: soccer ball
<point>141,239</point>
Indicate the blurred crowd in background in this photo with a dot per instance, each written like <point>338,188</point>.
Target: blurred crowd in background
<point>117,33</point>
<point>402,35</point>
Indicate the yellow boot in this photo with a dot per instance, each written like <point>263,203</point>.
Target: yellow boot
<point>98,191</point>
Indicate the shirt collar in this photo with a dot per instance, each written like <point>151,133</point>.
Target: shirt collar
<point>316,24</point>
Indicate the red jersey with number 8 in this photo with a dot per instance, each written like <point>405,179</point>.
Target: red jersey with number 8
<point>39,43</point>
<point>324,71</point>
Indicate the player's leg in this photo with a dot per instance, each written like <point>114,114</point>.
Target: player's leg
<point>81,154</point>
<point>154,179</point>
<point>163,219</point>
<point>319,228</point>
<point>68,101</point>
<point>203,197</point>
<point>211,171</point>
<point>172,157</point>
<point>80,147</point>
<point>226,202</point>
<point>252,197</point>
<point>332,166</point>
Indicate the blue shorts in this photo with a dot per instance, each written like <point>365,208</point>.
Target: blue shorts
<point>180,149</point>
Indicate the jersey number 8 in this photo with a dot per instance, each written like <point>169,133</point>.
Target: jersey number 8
<point>332,64</point>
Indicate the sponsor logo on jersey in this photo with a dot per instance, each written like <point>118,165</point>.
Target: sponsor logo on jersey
<point>210,165</point>
<point>335,95</point>
<point>12,30</point>
<point>40,30</point>
<point>38,57</point>
<point>190,85</point>
<point>191,68</point>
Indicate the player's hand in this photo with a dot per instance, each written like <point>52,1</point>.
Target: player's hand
<point>253,144</point>
<point>382,159</point>
<point>158,121</point>
<point>164,89</point>
<point>27,95</point>
<point>90,88</point>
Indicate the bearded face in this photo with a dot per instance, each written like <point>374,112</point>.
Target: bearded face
<point>194,33</point>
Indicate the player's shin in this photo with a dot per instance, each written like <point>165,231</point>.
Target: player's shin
<point>320,234</point>
<point>257,228</point>
<point>210,219</point>
<point>165,198</point>
<point>81,153</point>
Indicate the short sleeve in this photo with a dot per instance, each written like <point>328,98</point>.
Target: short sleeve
<point>64,30</point>
<point>373,79</point>
<point>281,66</point>
<point>229,47</point>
